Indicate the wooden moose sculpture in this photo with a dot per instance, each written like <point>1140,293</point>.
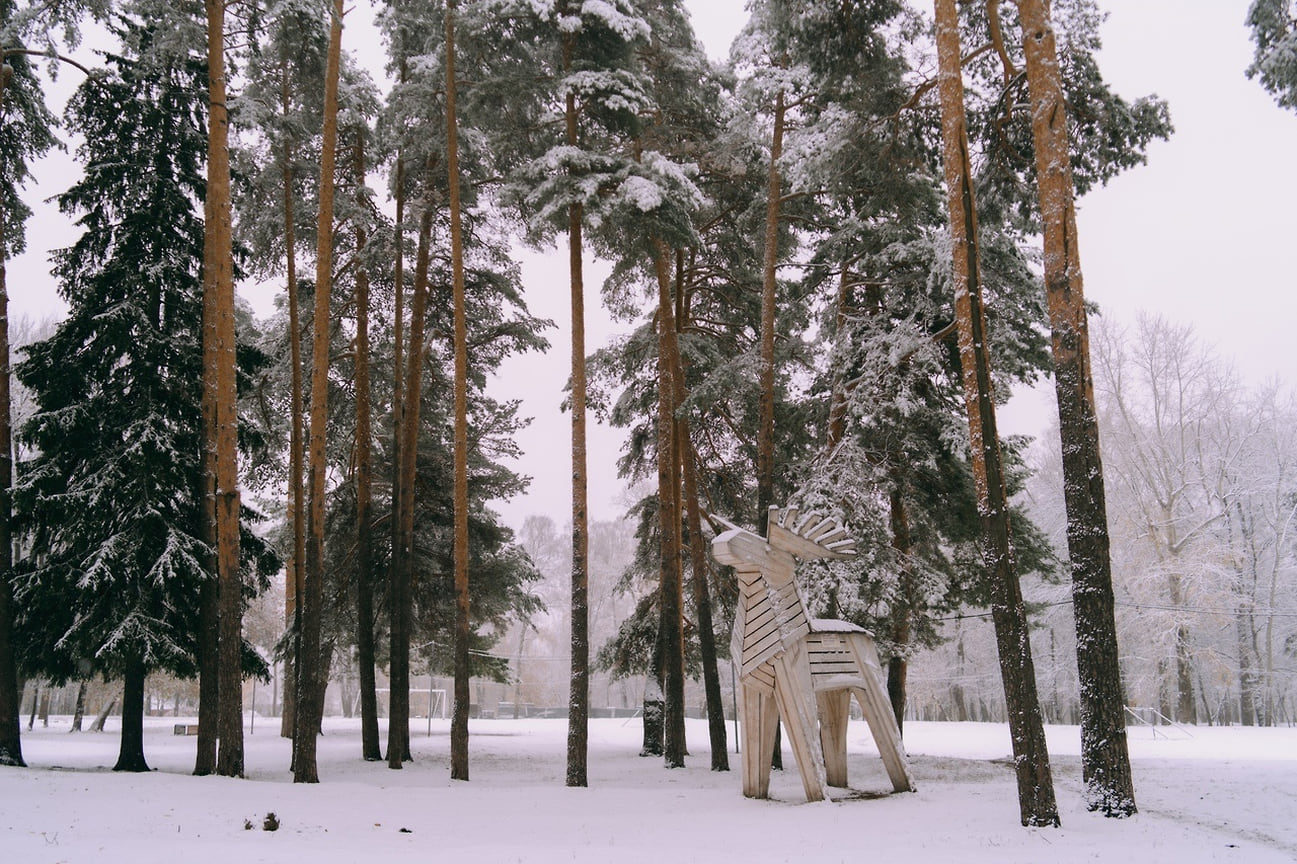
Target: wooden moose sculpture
<point>801,668</point>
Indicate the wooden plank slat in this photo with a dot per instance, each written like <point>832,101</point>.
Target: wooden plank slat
<point>787,517</point>
<point>842,548</point>
<point>755,636</point>
<point>763,676</point>
<point>819,529</point>
<point>759,652</point>
<point>759,616</point>
<point>837,535</point>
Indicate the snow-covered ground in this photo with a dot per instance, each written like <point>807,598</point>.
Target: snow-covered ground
<point>1209,794</point>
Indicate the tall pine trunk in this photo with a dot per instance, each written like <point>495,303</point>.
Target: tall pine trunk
<point>701,571</point>
<point>295,572</point>
<point>399,660</point>
<point>401,600</point>
<point>769,285</point>
<point>1105,759</point>
<point>578,717</point>
<point>221,400</point>
<point>459,722</point>
<point>370,748</point>
<point>209,613</point>
<point>1036,800</point>
<point>670,589</point>
<point>698,561</point>
<point>309,679</point>
<point>11,751</point>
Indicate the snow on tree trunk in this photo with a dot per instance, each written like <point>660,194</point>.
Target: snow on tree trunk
<point>1036,800</point>
<point>1104,755</point>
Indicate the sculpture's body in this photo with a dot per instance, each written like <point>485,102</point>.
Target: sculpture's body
<point>802,669</point>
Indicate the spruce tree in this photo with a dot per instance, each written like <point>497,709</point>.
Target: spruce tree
<point>25,134</point>
<point>111,504</point>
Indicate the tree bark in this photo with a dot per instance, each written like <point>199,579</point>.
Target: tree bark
<point>309,683</point>
<point>295,572</point>
<point>459,722</point>
<point>11,752</point>
<point>1104,756</point>
<point>79,712</point>
<point>398,725</point>
<point>218,284</point>
<point>769,285</point>
<point>209,613</point>
<point>716,732</point>
<point>1017,671</point>
<point>370,748</point>
<point>102,717</point>
<point>398,698</point>
<point>671,596</point>
<point>130,755</point>
<point>897,665</point>
<point>578,719</point>
<point>1245,629</point>
<point>699,567</point>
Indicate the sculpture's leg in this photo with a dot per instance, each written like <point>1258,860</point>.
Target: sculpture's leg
<point>835,706</point>
<point>796,699</point>
<point>759,717</point>
<point>877,709</point>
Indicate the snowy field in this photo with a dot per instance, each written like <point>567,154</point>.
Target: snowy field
<point>1207,795</point>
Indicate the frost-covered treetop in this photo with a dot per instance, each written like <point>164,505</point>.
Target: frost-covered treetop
<point>617,15</point>
<point>614,89</point>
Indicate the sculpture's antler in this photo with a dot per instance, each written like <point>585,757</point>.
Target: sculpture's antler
<point>808,536</point>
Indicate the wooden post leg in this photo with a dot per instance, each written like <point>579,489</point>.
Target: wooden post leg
<point>835,707</point>
<point>877,709</point>
<point>759,717</point>
<point>796,699</point>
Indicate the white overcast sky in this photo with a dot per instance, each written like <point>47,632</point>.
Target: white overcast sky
<point>1204,234</point>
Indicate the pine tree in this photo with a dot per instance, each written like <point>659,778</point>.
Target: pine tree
<point>1105,760</point>
<point>574,64</point>
<point>309,677</point>
<point>410,34</point>
<point>223,611</point>
<point>459,725</point>
<point>367,571</point>
<point>1035,780</point>
<point>282,100</point>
